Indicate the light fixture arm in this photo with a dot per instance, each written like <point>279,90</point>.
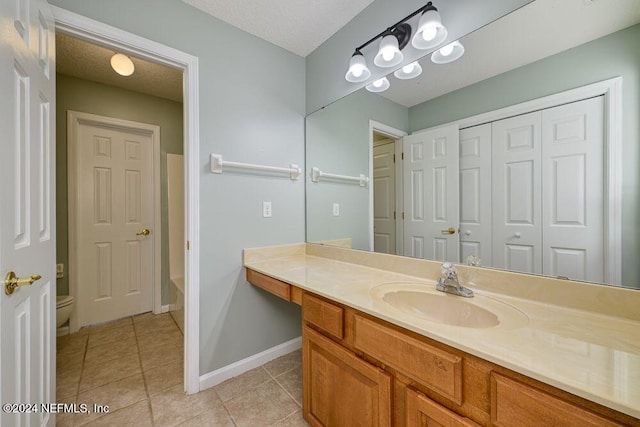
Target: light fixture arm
<point>398,29</point>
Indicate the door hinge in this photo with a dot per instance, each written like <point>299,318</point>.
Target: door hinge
<point>394,215</point>
<point>188,245</point>
<point>403,216</point>
<point>403,155</point>
<point>394,158</point>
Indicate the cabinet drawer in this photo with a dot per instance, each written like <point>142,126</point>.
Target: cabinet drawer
<point>516,404</point>
<point>428,365</point>
<point>324,315</point>
<point>424,412</point>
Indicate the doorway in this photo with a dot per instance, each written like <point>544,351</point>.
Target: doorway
<point>385,167</point>
<point>77,26</point>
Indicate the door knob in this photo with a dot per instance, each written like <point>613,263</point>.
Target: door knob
<point>11,281</point>
<point>517,234</point>
<point>449,230</point>
<point>143,232</point>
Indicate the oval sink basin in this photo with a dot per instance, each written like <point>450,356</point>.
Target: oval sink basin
<point>424,302</point>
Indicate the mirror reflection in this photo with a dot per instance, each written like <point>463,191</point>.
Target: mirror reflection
<point>522,154</point>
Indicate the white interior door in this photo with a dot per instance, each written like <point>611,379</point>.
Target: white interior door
<point>27,217</point>
<point>114,206</point>
<point>475,193</point>
<point>384,198</point>
<point>431,194</point>
<point>573,190</point>
<point>517,211</point>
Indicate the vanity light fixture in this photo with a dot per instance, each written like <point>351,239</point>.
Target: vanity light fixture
<point>379,85</point>
<point>409,71</point>
<point>431,33</point>
<point>358,70</point>
<point>448,53</point>
<point>122,64</point>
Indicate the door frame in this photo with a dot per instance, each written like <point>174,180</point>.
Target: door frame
<point>105,35</point>
<point>74,120</point>
<point>397,135</point>
<point>611,89</point>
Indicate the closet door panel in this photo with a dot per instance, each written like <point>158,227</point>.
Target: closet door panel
<point>516,189</point>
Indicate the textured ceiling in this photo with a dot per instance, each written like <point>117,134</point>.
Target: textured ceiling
<point>538,30</point>
<point>295,25</point>
<point>81,59</point>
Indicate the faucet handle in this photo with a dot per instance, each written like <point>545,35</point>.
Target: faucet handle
<point>448,269</point>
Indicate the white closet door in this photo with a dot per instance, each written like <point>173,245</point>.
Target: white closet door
<point>431,197</point>
<point>572,171</point>
<point>516,168</point>
<point>475,193</point>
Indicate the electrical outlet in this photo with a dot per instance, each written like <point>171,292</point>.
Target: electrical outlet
<point>266,209</point>
<point>336,209</point>
<point>59,271</point>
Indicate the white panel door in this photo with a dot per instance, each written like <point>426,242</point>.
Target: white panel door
<point>475,193</point>
<point>114,206</point>
<point>27,215</point>
<point>573,190</point>
<point>431,194</point>
<point>517,212</point>
<point>384,199</point>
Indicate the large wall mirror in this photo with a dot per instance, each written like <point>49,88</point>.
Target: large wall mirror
<point>522,153</point>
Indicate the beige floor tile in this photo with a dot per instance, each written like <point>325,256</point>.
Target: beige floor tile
<point>151,342</point>
<point>163,377</point>
<point>72,343</point>
<point>67,362</point>
<point>110,336</point>
<point>216,417</point>
<point>104,373</point>
<point>125,321</point>
<point>104,353</point>
<point>263,405</point>
<point>64,419</point>
<point>294,420</point>
<point>242,383</point>
<point>67,384</point>
<point>173,406</point>
<point>284,363</point>
<point>156,327</point>
<point>143,316</point>
<point>291,381</point>
<point>162,356</point>
<point>136,415</point>
<point>115,395</point>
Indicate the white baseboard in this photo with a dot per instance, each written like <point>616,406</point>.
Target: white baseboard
<point>213,378</point>
<point>165,308</point>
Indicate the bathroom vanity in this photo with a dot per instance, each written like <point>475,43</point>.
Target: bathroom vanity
<point>382,347</point>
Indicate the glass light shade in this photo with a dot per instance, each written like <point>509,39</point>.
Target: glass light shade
<point>430,32</point>
<point>409,71</point>
<point>448,53</point>
<point>389,54</point>
<point>122,64</point>
<point>379,85</point>
<point>358,70</point>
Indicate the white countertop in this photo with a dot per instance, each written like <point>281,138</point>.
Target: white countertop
<point>592,355</point>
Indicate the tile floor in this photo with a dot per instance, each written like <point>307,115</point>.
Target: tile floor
<point>134,365</point>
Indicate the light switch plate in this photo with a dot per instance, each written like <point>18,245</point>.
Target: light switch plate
<point>59,271</point>
<point>266,209</point>
<point>336,209</point>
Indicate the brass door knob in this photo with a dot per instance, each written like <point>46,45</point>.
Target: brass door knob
<point>449,230</point>
<point>143,232</point>
<point>11,281</point>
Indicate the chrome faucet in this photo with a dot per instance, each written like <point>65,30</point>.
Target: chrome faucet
<point>450,284</point>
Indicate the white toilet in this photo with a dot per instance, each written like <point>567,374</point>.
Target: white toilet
<point>64,307</point>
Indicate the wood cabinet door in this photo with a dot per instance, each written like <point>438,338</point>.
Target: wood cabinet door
<point>339,388</point>
<point>424,412</point>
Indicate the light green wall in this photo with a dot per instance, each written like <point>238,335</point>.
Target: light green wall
<point>252,108</point>
<point>611,56</point>
<point>338,142</point>
<point>95,98</point>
